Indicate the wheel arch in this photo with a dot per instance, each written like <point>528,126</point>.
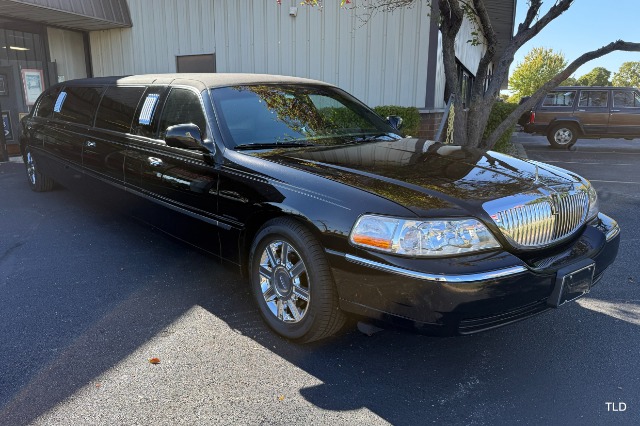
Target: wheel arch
<point>567,121</point>
<point>257,220</point>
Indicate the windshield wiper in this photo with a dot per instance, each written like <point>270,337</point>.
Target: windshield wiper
<point>248,146</point>
<point>375,137</point>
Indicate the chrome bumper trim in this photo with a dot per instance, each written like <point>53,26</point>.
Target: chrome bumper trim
<point>463,278</point>
<point>613,232</point>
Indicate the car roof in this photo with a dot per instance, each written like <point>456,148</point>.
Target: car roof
<point>199,80</point>
<point>592,87</point>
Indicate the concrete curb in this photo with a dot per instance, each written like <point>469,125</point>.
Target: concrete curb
<point>520,152</point>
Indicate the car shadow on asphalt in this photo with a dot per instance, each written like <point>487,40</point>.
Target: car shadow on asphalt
<point>97,305</point>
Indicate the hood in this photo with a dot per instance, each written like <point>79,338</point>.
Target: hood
<point>423,175</point>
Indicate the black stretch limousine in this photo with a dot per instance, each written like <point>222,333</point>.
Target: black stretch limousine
<point>320,201</point>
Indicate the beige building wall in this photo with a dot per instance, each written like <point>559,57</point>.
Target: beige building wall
<point>67,51</point>
<point>383,62</point>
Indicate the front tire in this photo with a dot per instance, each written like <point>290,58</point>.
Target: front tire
<point>562,136</point>
<point>37,181</point>
<point>292,283</point>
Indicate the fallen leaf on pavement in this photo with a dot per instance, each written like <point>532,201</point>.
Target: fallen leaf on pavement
<point>154,360</point>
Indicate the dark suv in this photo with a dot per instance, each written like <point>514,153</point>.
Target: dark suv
<point>569,113</point>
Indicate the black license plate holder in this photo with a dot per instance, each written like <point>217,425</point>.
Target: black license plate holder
<point>572,282</point>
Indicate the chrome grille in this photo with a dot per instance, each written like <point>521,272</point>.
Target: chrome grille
<point>538,220</point>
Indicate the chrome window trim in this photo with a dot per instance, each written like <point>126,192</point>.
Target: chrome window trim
<point>445,278</point>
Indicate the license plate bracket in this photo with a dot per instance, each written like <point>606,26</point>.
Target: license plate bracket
<point>572,282</point>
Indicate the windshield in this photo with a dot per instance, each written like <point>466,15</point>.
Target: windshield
<point>294,115</point>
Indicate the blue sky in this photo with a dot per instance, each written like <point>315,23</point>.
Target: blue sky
<point>586,26</point>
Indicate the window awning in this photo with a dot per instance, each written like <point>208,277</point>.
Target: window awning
<point>84,15</point>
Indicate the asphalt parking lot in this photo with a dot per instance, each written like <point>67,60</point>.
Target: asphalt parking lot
<point>87,296</point>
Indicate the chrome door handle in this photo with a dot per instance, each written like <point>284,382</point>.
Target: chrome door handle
<point>154,161</point>
<point>581,110</point>
<point>90,144</point>
<point>615,110</point>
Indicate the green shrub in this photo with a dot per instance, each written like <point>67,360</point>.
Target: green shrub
<point>499,113</point>
<point>410,117</point>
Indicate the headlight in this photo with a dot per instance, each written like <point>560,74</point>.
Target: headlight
<point>421,237</point>
<point>594,208</point>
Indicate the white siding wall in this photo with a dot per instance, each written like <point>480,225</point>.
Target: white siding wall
<point>383,62</point>
<point>67,50</point>
<point>467,54</point>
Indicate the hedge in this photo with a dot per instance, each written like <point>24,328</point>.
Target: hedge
<point>499,113</point>
<point>410,117</point>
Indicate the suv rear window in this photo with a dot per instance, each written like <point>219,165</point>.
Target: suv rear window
<point>118,107</point>
<point>563,98</point>
<point>79,105</point>
<point>593,98</point>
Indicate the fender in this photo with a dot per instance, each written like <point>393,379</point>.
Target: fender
<point>567,120</point>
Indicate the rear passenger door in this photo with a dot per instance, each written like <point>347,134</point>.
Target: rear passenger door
<point>625,113</point>
<point>73,115</point>
<point>104,148</point>
<point>593,111</point>
<point>556,105</point>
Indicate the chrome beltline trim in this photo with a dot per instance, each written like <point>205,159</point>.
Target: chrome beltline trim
<point>463,278</point>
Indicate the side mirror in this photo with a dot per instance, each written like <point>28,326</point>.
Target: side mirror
<point>395,121</point>
<point>187,136</point>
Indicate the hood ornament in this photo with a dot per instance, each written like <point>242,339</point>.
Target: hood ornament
<point>537,178</point>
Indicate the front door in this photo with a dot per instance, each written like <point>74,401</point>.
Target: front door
<point>181,180</point>
<point>625,113</point>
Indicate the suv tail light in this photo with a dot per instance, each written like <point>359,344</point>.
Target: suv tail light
<point>532,117</point>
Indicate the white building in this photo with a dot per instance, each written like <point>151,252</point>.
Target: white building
<point>392,59</point>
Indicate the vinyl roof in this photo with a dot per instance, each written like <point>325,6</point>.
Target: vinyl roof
<point>201,80</point>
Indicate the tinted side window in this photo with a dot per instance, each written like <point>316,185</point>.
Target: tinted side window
<point>625,99</point>
<point>148,112</point>
<point>563,98</point>
<point>80,105</point>
<point>117,108</point>
<point>45,106</point>
<point>182,107</point>
<point>593,98</point>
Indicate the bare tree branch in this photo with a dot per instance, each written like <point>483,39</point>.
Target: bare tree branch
<point>527,33</point>
<point>554,82</point>
<point>534,8</point>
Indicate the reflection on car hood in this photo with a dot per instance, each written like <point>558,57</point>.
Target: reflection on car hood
<point>423,175</point>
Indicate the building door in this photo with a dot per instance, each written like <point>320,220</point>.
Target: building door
<point>10,104</point>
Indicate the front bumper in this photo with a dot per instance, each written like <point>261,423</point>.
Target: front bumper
<point>463,295</point>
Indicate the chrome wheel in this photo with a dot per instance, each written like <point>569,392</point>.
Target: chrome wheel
<point>284,282</point>
<point>563,136</point>
<point>31,168</point>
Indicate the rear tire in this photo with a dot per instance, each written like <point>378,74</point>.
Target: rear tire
<point>292,284</point>
<point>37,181</point>
<point>562,136</point>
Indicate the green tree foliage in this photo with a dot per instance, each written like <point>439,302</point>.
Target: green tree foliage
<point>570,82</point>
<point>543,73</point>
<point>539,66</point>
<point>628,75</point>
<point>410,117</point>
<point>499,113</point>
<point>598,76</point>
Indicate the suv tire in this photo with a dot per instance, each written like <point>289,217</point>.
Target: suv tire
<point>563,136</point>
